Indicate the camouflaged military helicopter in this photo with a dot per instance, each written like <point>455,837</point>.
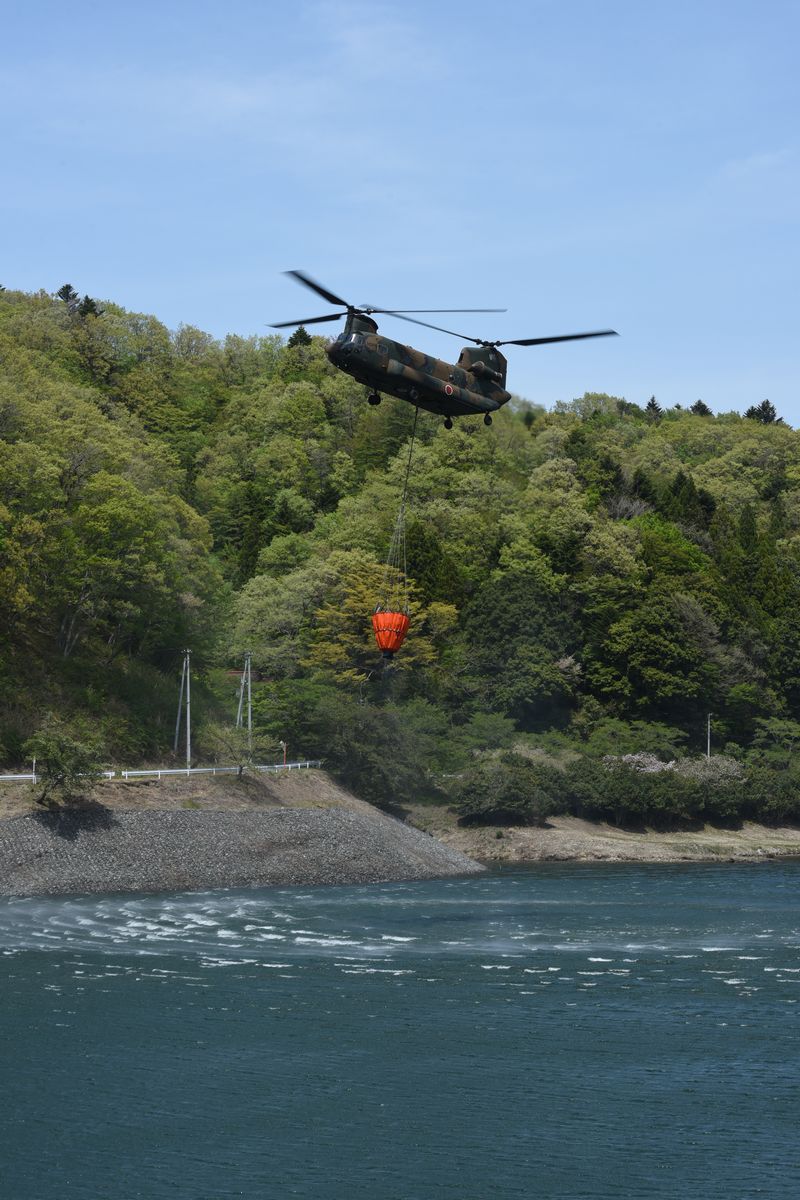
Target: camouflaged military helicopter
<point>475,384</point>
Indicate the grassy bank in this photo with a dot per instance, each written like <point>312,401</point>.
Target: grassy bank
<point>572,839</point>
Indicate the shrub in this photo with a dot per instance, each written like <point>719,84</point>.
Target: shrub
<point>772,797</point>
<point>617,792</point>
<point>509,789</point>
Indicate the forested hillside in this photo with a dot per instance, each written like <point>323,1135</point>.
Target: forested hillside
<point>590,580</point>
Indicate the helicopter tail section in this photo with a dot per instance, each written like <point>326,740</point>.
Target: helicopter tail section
<point>486,363</point>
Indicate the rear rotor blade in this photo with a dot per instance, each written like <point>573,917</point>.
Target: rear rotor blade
<point>564,337</point>
<point>308,282</point>
<point>394,312</point>
<point>309,321</point>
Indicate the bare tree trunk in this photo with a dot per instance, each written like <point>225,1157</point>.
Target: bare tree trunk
<point>70,635</point>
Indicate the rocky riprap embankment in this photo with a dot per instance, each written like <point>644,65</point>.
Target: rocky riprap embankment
<point>106,850</point>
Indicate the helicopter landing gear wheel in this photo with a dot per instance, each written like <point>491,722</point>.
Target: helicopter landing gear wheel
<point>373,398</point>
<point>487,420</point>
<point>448,423</point>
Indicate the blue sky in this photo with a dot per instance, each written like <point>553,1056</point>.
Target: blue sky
<point>586,165</point>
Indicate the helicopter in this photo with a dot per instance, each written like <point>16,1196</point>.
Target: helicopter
<point>475,384</point>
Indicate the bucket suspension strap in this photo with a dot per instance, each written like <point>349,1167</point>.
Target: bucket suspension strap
<point>410,454</point>
<point>395,577</point>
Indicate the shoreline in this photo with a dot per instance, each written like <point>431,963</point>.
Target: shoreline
<point>572,839</point>
<point>302,829</point>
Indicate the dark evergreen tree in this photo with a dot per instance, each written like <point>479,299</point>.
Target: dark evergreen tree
<point>653,409</point>
<point>70,297</point>
<point>683,502</point>
<point>601,476</point>
<point>642,487</point>
<point>699,409</point>
<point>300,337</point>
<point>775,483</point>
<point>748,531</point>
<point>247,533</point>
<point>88,307</point>
<point>765,413</point>
<point>433,570</point>
<point>778,524</point>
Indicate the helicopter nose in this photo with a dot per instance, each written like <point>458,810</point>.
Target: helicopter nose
<point>342,352</point>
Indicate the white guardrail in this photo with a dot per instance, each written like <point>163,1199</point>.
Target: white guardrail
<point>158,772</point>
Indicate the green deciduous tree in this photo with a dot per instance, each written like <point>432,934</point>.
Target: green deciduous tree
<point>232,745</point>
<point>67,763</point>
<point>656,664</point>
<point>520,631</point>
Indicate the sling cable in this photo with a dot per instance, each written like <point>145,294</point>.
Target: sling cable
<point>390,620</point>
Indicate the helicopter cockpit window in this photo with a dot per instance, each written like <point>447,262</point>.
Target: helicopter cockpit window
<point>383,348</point>
<point>356,339</point>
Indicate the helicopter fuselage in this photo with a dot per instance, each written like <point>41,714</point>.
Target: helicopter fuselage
<point>475,384</point>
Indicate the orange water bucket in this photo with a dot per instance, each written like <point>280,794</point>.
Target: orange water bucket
<point>390,631</point>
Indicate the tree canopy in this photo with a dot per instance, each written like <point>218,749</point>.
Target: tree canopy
<point>604,562</point>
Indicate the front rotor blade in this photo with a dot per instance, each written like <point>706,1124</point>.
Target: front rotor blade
<point>310,321</point>
<point>564,337</point>
<point>308,282</point>
<point>463,336</point>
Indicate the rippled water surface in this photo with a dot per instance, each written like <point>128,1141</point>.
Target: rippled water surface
<point>554,1032</point>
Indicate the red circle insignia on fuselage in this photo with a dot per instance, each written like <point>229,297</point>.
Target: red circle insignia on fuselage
<point>448,389</point>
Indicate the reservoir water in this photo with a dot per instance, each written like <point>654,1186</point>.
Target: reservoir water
<point>563,1031</point>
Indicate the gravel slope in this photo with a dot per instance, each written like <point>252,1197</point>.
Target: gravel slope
<point>112,850</point>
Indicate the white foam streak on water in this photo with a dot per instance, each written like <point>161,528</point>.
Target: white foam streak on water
<point>390,929</point>
<point>323,941</point>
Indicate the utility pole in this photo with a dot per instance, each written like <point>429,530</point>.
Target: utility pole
<point>186,688</point>
<point>241,695</point>
<point>708,736</point>
<point>180,706</point>
<point>249,705</point>
<point>188,710</point>
<point>246,685</point>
